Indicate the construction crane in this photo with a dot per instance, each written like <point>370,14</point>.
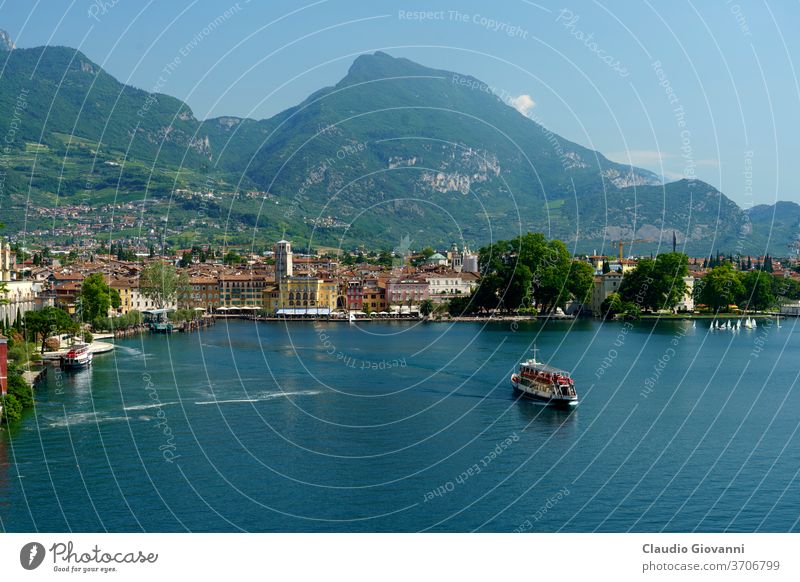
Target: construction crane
<point>622,244</point>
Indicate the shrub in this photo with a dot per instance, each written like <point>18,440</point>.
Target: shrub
<point>12,409</point>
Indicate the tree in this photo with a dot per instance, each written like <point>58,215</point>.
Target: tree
<point>4,293</point>
<point>720,287</point>
<point>232,258</point>
<point>159,282</point>
<point>12,409</point>
<point>95,297</point>
<point>611,305</point>
<point>48,321</point>
<point>426,307</point>
<point>757,290</point>
<point>580,280</point>
<point>116,300</point>
<point>656,284</point>
<point>530,268</point>
<point>458,306</point>
<point>670,269</point>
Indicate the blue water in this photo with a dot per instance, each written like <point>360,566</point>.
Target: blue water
<point>408,427</point>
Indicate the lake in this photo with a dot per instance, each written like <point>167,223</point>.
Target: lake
<point>409,426</point>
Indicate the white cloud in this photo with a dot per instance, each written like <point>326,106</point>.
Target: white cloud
<point>522,103</point>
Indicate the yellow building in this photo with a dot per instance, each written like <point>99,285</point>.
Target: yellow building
<point>125,288</point>
<point>307,292</point>
<point>271,297</point>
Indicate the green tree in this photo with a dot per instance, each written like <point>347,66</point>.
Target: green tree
<point>232,258</point>
<point>48,321</point>
<point>528,268</point>
<point>458,306</point>
<point>757,293</point>
<point>160,283</point>
<point>12,409</point>
<point>426,307</point>
<point>720,287</point>
<point>656,283</point>
<point>95,297</point>
<point>580,280</point>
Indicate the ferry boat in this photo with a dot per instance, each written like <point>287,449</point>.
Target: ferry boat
<point>78,356</point>
<point>543,383</point>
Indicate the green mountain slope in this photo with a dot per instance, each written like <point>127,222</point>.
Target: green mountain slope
<point>394,149</point>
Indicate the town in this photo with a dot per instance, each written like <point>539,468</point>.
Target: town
<point>343,285</point>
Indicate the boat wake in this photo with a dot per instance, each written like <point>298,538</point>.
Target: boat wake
<point>262,397</point>
<point>82,418</point>
<point>128,350</point>
<point>148,406</point>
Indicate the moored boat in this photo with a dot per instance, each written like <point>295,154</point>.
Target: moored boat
<point>78,356</point>
<point>546,384</point>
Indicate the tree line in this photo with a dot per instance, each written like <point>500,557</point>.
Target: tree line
<point>527,274</point>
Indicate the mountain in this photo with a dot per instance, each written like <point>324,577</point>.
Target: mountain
<point>394,150</point>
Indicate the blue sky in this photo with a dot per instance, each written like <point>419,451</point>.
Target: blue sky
<point>705,88</point>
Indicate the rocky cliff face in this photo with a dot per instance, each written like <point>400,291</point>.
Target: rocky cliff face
<point>6,44</point>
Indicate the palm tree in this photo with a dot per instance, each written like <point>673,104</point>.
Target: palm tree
<point>426,307</point>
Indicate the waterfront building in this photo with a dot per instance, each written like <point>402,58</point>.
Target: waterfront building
<point>354,294</point>
<point>271,297</point>
<point>202,293</point>
<point>138,302</point>
<point>686,304</point>
<point>124,287</point>
<point>603,286</point>
<point>308,292</point>
<point>373,296</point>
<point>444,286</point>
<point>242,290</point>
<point>21,296</point>
<point>791,309</point>
<point>407,291</point>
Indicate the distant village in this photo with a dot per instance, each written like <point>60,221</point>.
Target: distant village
<point>284,284</point>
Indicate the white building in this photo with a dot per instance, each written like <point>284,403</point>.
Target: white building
<point>687,303</point>
<point>22,296</point>
<point>444,286</point>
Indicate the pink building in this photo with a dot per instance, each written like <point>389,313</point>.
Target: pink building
<point>354,292</point>
<point>406,291</point>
